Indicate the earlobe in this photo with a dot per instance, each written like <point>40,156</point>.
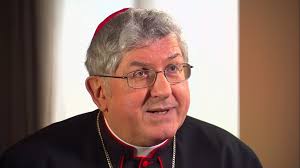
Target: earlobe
<point>95,87</point>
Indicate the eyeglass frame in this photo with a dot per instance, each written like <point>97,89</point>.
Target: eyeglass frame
<point>156,72</point>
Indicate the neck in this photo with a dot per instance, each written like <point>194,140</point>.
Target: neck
<point>140,150</point>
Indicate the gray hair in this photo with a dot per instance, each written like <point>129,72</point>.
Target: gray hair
<point>132,29</point>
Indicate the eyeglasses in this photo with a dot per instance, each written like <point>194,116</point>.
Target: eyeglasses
<point>174,73</point>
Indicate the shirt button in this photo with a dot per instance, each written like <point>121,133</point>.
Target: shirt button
<point>146,163</point>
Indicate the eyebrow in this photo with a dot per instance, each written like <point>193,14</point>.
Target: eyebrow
<point>142,64</point>
<point>137,63</point>
<point>174,56</point>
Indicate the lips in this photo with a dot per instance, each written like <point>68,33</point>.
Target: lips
<point>159,110</point>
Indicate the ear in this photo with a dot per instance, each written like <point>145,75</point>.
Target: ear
<point>95,86</point>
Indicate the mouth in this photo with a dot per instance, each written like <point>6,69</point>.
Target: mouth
<point>158,111</point>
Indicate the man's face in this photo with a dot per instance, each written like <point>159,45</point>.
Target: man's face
<point>148,116</point>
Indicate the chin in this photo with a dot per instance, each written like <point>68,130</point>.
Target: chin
<point>155,137</point>
<point>159,133</point>
<point>165,134</point>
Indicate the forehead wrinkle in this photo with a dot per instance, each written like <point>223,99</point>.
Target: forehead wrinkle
<point>145,64</point>
<point>138,63</point>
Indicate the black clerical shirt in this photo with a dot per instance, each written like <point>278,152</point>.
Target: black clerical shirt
<point>75,143</point>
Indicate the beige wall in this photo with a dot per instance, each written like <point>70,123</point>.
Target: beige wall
<point>269,80</point>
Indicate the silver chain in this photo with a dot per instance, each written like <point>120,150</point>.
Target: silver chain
<point>107,154</point>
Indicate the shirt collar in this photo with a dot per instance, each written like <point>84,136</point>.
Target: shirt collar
<point>141,151</point>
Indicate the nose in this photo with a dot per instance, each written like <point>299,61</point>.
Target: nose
<point>161,87</point>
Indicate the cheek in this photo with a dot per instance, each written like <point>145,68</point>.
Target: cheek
<point>182,94</point>
<point>128,99</point>
<point>131,103</point>
<point>128,109</point>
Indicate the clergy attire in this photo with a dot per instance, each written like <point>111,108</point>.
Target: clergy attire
<point>78,143</point>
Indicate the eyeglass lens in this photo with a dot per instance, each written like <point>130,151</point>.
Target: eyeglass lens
<point>146,78</point>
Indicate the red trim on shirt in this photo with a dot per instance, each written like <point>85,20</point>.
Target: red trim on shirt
<point>152,153</point>
<point>116,139</point>
<point>122,161</point>
<point>160,162</point>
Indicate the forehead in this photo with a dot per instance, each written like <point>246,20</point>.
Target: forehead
<point>156,53</point>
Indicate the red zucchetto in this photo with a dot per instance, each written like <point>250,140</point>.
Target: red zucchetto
<point>108,19</point>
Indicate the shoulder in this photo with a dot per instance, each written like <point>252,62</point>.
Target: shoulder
<point>216,144</point>
<point>55,139</point>
<point>65,130</point>
<point>206,131</point>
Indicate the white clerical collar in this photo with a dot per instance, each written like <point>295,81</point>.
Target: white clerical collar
<point>140,150</point>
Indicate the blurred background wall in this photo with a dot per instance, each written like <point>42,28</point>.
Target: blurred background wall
<point>268,76</point>
<point>269,80</point>
<point>27,46</point>
<point>20,73</point>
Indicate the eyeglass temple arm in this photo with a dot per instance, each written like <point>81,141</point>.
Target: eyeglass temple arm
<point>109,76</point>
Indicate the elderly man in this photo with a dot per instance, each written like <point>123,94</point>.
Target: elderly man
<point>138,66</point>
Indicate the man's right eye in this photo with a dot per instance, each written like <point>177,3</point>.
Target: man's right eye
<point>140,74</point>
